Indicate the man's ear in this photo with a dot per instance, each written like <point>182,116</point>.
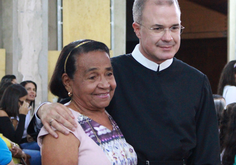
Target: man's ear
<point>136,28</point>
<point>67,82</point>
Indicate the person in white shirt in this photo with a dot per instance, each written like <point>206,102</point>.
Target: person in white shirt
<point>227,82</point>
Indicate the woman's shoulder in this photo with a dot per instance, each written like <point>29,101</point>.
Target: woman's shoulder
<point>77,132</point>
<point>3,113</point>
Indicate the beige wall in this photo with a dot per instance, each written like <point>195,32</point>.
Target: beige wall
<point>52,25</point>
<point>86,19</point>
<point>232,30</point>
<point>2,62</point>
<point>52,59</point>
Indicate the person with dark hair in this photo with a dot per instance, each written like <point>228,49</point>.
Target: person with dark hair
<point>31,88</point>
<point>28,144</point>
<point>8,78</point>
<point>220,104</point>
<point>223,128</point>
<point>13,104</point>
<point>229,142</point>
<point>227,82</point>
<point>163,106</point>
<point>3,87</point>
<point>5,82</point>
<point>15,149</point>
<point>84,73</point>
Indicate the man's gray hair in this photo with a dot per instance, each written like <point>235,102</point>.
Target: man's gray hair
<point>138,7</point>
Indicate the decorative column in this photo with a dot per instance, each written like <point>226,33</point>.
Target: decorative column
<point>118,36</point>
<point>231,30</point>
<point>25,38</point>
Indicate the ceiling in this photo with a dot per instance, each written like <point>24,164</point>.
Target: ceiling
<point>217,5</point>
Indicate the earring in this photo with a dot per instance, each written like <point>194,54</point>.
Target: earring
<point>69,94</point>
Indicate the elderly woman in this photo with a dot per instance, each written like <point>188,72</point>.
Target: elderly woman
<point>84,73</point>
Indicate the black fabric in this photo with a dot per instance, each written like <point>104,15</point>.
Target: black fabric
<point>24,140</point>
<point>166,116</point>
<point>7,129</point>
<point>32,129</point>
<point>147,162</point>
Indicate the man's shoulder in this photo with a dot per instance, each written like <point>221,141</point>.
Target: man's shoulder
<point>122,61</point>
<point>120,58</point>
<point>186,67</point>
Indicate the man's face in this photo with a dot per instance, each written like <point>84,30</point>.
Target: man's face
<point>154,45</point>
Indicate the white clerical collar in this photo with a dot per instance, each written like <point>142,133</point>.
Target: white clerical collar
<point>137,55</point>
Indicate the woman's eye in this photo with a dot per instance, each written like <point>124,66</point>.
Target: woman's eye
<point>92,77</point>
<point>109,74</point>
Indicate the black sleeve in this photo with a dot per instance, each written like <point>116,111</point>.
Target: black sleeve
<point>32,129</point>
<point>207,150</point>
<point>8,130</point>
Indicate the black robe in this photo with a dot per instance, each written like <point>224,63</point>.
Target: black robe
<point>168,116</point>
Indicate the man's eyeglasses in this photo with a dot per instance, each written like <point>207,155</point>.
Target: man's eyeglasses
<point>159,29</point>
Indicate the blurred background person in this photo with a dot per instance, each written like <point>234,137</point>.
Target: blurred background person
<point>220,104</point>
<point>28,144</point>
<point>17,153</point>
<point>8,78</point>
<point>229,141</point>
<point>3,87</point>
<point>227,82</point>
<point>5,82</point>
<point>5,154</point>
<point>13,104</point>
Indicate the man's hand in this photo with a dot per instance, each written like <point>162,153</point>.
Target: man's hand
<point>55,114</point>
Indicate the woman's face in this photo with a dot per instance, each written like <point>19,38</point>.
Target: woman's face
<point>30,87</point>
<point>94,84</point>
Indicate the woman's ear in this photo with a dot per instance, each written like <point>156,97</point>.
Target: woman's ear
<point>66,82</point>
